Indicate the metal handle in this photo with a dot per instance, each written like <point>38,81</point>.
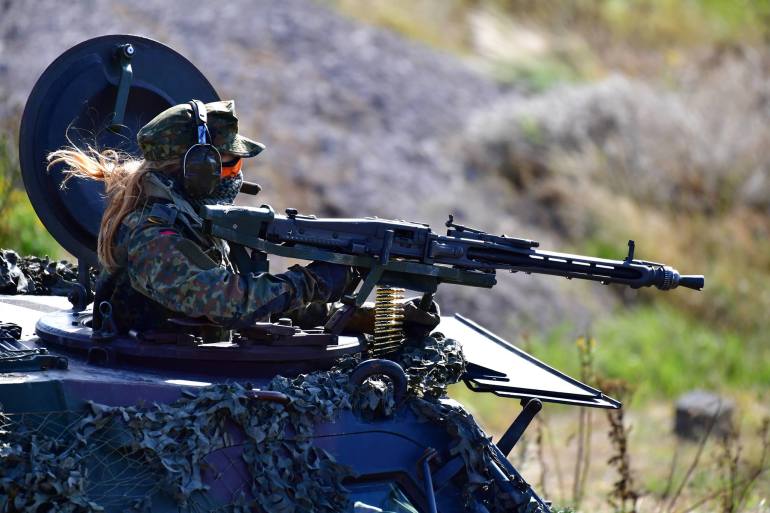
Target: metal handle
<point>125,53</point>
<point>380,367</point>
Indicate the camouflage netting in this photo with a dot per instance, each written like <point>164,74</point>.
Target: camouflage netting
<point>161,450</point>
<point>475,448</point>
<point>35,275</point>
<point>431,365</point>
<point>75,461</point>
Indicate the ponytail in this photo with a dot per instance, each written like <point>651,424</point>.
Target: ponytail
<point>122,176</point>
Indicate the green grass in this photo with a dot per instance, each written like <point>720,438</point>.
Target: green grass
<point>22,231</point>
<point>665,22</point>
<point>663,352</point>
<point>604,247</point>
<point>20,228</point>
<point>536,75</point>
<point>583,36</point>
<point>659,349</point>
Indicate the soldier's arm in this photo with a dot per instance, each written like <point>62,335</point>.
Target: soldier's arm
<point>175,272</point>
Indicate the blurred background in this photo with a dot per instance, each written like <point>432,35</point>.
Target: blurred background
<point>581,124</point>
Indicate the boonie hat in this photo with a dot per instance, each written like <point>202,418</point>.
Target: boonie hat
<point>171,133</point>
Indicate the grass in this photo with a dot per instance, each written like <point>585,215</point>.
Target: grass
<point>536,75</point>
<point>659,473</point>
<point>22,231</point>
<point>20,228</point>
<point>664,352</point>
<point>681,340</point>
<point>440,25</point>
<point>660,349</point>
<point>663,23</point>
<point>585,38</point>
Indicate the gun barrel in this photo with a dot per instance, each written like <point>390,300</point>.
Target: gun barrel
<point>692,281</point>
<point>632,273</point>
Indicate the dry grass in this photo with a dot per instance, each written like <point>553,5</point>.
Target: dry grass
<point>630,460</point>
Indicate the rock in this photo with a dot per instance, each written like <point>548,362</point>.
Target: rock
<point>696,411</point>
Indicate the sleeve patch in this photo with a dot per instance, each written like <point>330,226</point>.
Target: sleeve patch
<point>162,213</point>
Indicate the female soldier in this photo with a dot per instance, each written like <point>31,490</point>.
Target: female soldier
<point>156,261</point>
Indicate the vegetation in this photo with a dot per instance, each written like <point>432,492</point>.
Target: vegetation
<point>20,228</point>
<point>711,228</point>
<point>571,40</point>
<point>717,225</point>
<point>663,351</point>
<point>628,460</point>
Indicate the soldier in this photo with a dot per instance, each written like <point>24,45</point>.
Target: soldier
<point>156,261</point>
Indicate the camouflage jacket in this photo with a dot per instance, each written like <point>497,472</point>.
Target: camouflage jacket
<point>169,268</point>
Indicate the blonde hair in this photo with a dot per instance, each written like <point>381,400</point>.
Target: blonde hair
<point>122,176</point>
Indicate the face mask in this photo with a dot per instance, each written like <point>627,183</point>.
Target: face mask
<point>226,191</point>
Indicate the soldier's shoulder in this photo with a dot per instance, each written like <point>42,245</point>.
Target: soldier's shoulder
<point>154,214</point>
<point>132,219</point>
<point>145,223</point>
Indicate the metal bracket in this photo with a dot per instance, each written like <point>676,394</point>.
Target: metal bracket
<point>350,302</point>
<point>108,331</point>
<point>424,461</point>
<point>339,319</point>
<point>16,356</point>
<point>530,408</point>
<point>125,53</point>
<point>80,295</point>
<point>372,277</point>
<point>248,263</point>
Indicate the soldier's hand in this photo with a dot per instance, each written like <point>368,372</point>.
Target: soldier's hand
<point>333,279</point>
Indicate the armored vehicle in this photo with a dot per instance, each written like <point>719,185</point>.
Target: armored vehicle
<point>275,418</point>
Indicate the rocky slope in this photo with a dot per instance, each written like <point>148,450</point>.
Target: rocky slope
<point>357,120</point>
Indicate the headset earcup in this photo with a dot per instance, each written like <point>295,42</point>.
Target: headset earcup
<point>202,167</point>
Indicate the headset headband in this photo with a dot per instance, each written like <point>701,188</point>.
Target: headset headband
<point>200,118</point>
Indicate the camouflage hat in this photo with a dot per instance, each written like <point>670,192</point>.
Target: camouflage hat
<point>169,134</point>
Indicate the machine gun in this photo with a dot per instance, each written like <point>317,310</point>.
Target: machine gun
<point>412,256</point>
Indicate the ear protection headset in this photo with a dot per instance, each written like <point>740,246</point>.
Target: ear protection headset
<point>202,164</point>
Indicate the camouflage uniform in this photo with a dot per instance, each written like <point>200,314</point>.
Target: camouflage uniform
<point>168,267</point>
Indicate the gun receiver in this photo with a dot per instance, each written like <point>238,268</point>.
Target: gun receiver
<point>411,255</point>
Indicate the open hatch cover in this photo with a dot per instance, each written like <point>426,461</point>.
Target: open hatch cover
<point>98,94</point>
<point>497,366</point>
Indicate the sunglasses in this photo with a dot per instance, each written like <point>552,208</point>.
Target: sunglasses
<point>231,167</point>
